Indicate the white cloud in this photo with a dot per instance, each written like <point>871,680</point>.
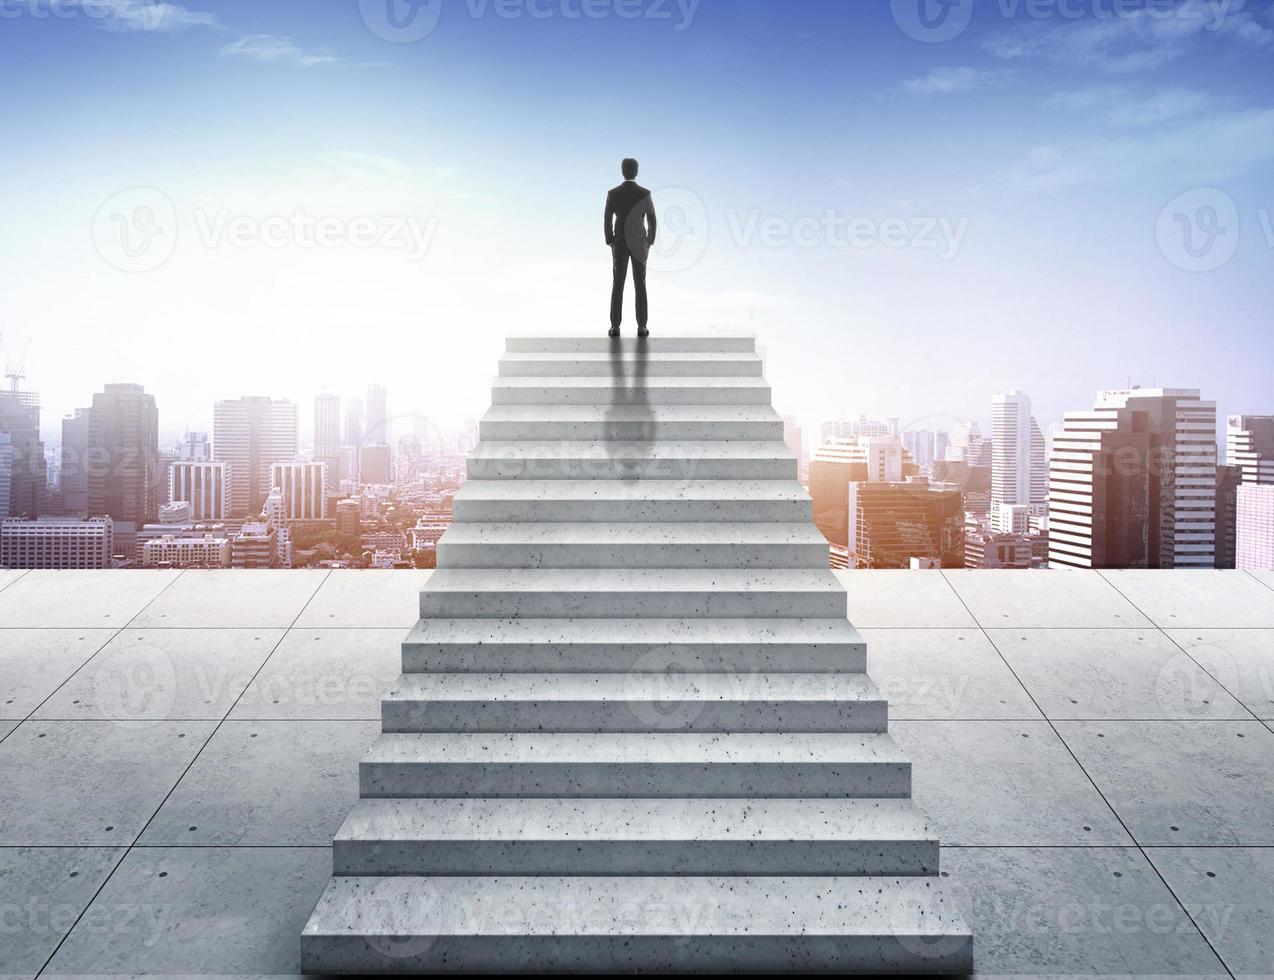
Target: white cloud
<point>1119,106</point>
<point>947,81</point>
<point>1125,42</point>
<point>1211,147</point>
<point>270,49</point>
<point>128,16</point>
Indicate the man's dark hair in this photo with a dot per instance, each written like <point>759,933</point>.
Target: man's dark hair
<point>629,168</point>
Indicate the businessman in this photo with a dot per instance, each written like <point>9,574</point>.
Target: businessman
<point>630,231</point>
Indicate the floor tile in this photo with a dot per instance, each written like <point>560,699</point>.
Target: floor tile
<point>1188,599</point>
<point>1263,575</point>
<point>902,598</point>
<point>267,782</point>
<point>1113,673</point>
<point>1042,599</point>
<point>90,782</point>
<point>328,673</point>
<point>227,597</point>
<point>1182,782</point>
<point>198,911</point>
<point>1003,783</point>
<point>10,575</point>
<point>45,889</point>
<point>367,597</point>
<point>33,662</point>
<point>1241,659</point>
<point>109,598</point>
<point>152,675</point>
<point>931,673</point>
<point>7,726</point>
<point>1229,892</point>
<point>1075,911</point>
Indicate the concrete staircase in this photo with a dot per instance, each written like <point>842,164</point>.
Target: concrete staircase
<point>634,729</point>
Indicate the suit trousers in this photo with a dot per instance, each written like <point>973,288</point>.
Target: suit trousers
<point>621,256</point>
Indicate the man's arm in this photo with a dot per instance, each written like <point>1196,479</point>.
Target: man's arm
<point>651,224</point>
<point>608,225</point>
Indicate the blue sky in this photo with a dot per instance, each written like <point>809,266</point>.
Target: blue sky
<point>1019,194</point>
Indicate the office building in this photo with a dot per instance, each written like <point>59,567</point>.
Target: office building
<point>1249,445</point>
<point>205,486</point>
<point>1254,526</point>
<point>1019,470</point>
<point>26,469</point>
<point>891,523</point>
<point>175,551</point>
<point>841,462</point>
<point>52,542</point>
<point>301,487</point>
<point>349,517</point>
<point>73,468</point>
<point>1099,503</point>
<point>327,436</point>
<point>1182,428</point>
<point>374,465</point>
<point>378,428</point>
<point>250,435</point>
<point>1228,479</point>
<point>123,470</point>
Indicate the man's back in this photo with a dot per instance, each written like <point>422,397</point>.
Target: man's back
<point>626,204</point>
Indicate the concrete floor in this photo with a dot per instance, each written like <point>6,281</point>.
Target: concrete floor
<point>177,750</point>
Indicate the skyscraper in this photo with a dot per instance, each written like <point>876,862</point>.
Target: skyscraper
<point>841,462</point>
<point>27,470</point>
<point>1182,531</point>
<point>1228,479</point>
<point>123,453</point>
<point>378,428</point>
<point>890,523</point>
<point>1249,445</point>
<point>327,436</point>
<point>1132,484</point>
<point>75,459</point>
<point>251,434</point>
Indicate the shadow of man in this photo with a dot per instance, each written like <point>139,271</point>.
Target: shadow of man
<point>630,422</point>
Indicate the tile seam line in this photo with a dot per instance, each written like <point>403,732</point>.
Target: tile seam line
<point>1141,850</point>
<point>177,782</point>
<point>1216,680</point>
<point>1259,581</point>
<point>107,642</point>
<point>24,572</point>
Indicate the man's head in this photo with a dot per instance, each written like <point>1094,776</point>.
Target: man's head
<point>629,168</point>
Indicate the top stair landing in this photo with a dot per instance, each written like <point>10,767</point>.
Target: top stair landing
<point>656,343</point>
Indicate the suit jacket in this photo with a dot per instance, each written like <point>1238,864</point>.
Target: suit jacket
<point>630,219</point>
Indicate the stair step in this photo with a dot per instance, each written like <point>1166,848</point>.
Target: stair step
<point>713,343</point>
<point>652,391</point>
<point>630,364</point>
<point>643,702</point>
<point>617,500</point>
<point>624,645</point>
<point>635,837</point>
<point>644,545</point>
<point>643,459</point>
<point>607,764</point>
<point>674,924</point>
<point>628,422</point>
<point>663,593</point>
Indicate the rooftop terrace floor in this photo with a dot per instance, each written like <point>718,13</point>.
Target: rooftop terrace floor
<point>178,748</point>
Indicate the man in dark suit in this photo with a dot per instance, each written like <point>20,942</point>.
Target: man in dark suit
<point>630,231</point>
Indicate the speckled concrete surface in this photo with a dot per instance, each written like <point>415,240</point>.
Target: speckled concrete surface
<point>1056,910</point>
